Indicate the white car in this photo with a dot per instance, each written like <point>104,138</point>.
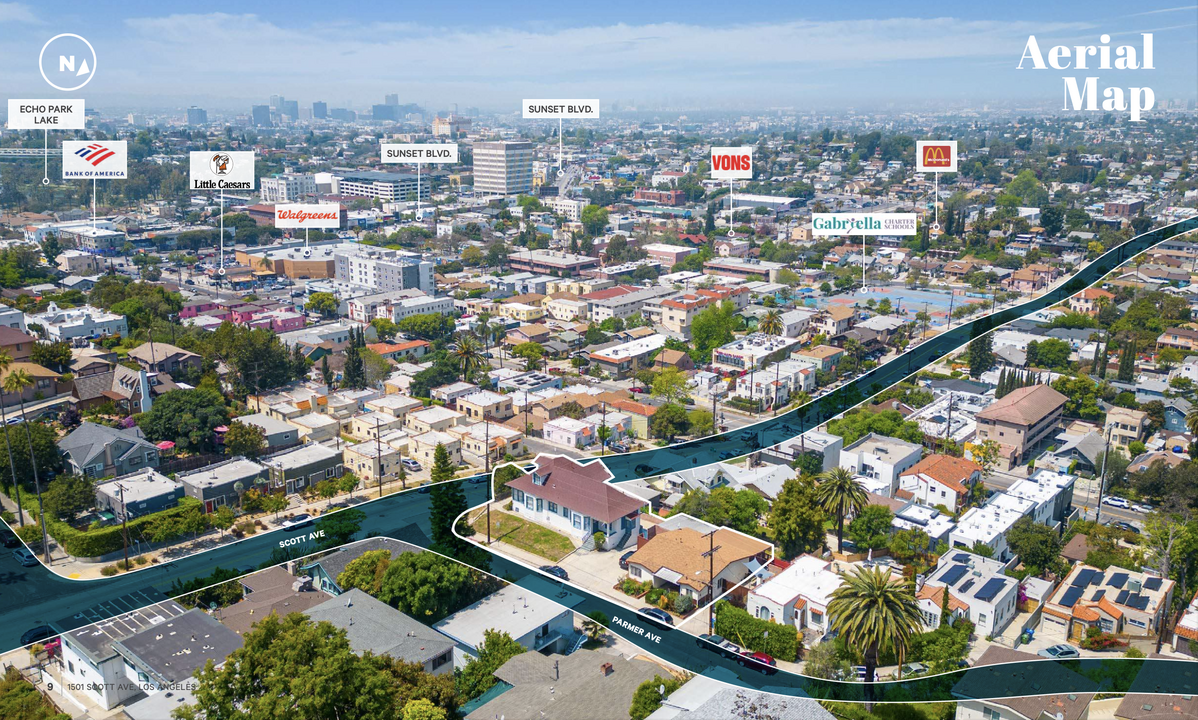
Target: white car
<point>1142,508</point>
<point>1115,501</point>
<point>24,557</point>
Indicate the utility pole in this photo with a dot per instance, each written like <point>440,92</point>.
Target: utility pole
<point>378,450</point>
<point>124,527</point>
<point>1102,478</point>
<point>710,555</point>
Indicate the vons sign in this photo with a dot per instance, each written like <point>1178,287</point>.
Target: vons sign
<point>936,156</point>
<point>732,163</point>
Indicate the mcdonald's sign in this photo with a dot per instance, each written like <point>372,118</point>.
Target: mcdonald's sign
<point>936,156</point>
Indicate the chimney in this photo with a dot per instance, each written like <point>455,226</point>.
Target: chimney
<point>605,669</point>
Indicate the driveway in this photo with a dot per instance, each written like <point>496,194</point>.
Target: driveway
<point>599,571</point>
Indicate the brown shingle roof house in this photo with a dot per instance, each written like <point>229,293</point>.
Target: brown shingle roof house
<point>576,499</point>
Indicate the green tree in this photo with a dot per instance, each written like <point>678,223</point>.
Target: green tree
<point>796,520</point>
<point>702,423</point>
<point>840,496</point>
<point>322,302</point>
<point>247,440</point>
<point>427,326</point>
<point>385,328</point>
<point>54,355</point>
<point>479,674</point>
<point>502,476</point>
<point>68,496</point>
<point>771,323</point>
<point>1127,362</point>
<point>469,356</point>
<point>429,587</point>
<point>669,421</point>
<point>649,696</point>
<point>594,219</point>
<point>296,668</point>
<point>871,527</point>
<point>874,614</point>
<point>531,352</point>
<point>711,328</point>
<point>420,708</point>
<point>891,423</point>
<point>1038,546</point>
<point>366,572</point>
<point>671,385</point>
<point>353,376</point>
<point>375,367</point>
<point>223,519</point>
<point>326,374</point>
<point>981,355</point>
<point>341,526</point>
<point>187,417</point>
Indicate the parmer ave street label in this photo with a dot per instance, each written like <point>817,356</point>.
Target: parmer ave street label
<point>560,109</point>
<point>652,637</point>
<point>45,114</point>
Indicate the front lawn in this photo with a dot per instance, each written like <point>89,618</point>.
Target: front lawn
<point>518,532</point>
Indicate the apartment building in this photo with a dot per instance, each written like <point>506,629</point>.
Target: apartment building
<point>386,186</point>
<point>1125,426</point>
<point>1115,600</point>
<point>978,588</point>
<point>80,323</point>
<point>287,187</point>
<point>1021,420</point>
<point>879,461</point>
<point>382,269</point>
<point>502,167</point>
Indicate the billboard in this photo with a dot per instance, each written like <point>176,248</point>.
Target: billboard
<point>732,163</point>
<point>831,224</point>
<point>936,156</point>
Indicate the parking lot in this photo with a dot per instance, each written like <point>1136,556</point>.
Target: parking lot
<point>599,571</point>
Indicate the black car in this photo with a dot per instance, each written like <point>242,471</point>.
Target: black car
<point>624,559</point>
<point>479,479</point>
<point>657,614</point>
<point>555,571</point>
<point>37,634</point>
<point>1125,526</point>
<point>9,538</point>
<point>618,448</point>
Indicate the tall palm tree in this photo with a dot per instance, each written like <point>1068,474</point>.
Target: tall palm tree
<point>854,349</point>
<point>771,323</point>
<point>874,613</point>
<point>5,363</point>
<point>469,355</point>
<point>840,495</point>
<point>15,383</point>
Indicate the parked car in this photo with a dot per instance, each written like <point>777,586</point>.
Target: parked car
<point>758,661</point>
<point>657,614</point>
<point>1142,508</point>
<point>479,479</point>
<point>1125,527</point>
<point>24,557</point>
<point>37,634</point>
<point>410,465</point>
<point>9,538</point>
<point>555,571</point>
<point>618,448</point>
<point>859,673</point>
<point>716,643</point>
<point>1115,501</point>
<point>1059,652</point>
<point>299,521</point>
<point>914,669</point>
<point>624,559</point>
<point>637,390</point>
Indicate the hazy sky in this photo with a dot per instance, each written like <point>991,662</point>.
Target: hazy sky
<point>719,55</point>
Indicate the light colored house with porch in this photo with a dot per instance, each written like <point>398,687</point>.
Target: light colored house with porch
<point>576,500</point>
<point>682,560</point>
<point>798,596</point>
<point>568,432</point>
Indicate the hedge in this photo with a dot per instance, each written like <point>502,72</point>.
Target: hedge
<point>94,543</point>
<point>749,632</point>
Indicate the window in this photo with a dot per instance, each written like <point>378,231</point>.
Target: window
<point>553,507</point>
<point>517,496</point>
<point>328,473</point>
<point>817,618</point>
<point>565,511</point>
<point>990,714</point>
<point>763,612</point>
<point>577,521</point>
<point>634,571</point>
<point>442,659</point>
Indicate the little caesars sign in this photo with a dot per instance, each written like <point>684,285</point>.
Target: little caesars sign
<point>828,224</point>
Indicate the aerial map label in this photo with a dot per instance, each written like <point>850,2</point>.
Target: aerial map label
<point>99,160</point>
<point>308,215</point>
<point>827,224</point>
<point>936,156</point>
<point>45,114</point>
<point>560,109</point>
<point>419,152</point>
<point>732,163</point>
<point>221,170</point>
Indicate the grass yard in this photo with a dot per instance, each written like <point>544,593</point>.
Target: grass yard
<point>518,532</point>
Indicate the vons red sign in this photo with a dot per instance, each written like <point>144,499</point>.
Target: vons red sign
<point>732,163</point>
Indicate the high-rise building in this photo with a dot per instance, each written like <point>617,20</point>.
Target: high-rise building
<point>260,114</point>
<point>503,167</point>
<point>276,102</point>
<point>320,110</point>
<point>287,187</point>
<point>291,109</point>
<point>343,115</point>
<point>197,116</point>
<point>454,126</point>
<point>391,99</point>
<point>384,112</point>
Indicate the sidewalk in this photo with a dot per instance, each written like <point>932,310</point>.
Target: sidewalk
<point>65,566</point>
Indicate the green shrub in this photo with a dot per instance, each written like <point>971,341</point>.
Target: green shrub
<point>141,559</point>
<point>1133,652</point>
<point>7,517</point>
<point>30,534</point>
<point>94,543</point>
<point>683,604</point>
<point>599,538</point>
<point>749,632</point>
<point>109,570</point>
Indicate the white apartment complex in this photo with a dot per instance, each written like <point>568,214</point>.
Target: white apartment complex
<point>382,269</point>
<point>78,323</point>
<point>287,187</point>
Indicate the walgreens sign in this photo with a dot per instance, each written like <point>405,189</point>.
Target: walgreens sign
<point>732,163</point>
<point>297,215</point>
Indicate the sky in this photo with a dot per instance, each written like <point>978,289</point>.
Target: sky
<point>704,54</point>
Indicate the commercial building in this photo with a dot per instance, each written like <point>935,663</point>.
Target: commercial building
<point>743,268</point>
<point>94,240</point>
<point>753,351</point>
<point>668,255</point>
<point>217,485</point>
<point>382,269</point>
<point>287,187</point>
<point>569,208</point>
<point>502,167</point>
<point>295,469</point>
<point>386,186</point>
<point>621,361</point>
<point>551,261</point>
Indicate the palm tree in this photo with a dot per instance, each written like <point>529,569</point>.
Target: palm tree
<point>5,363</point>
<point>874,613</point>
<point>1192,421</point>
<point>840,495</point>
<point>923,318</point>
<point>771,323</point>
<point>854,349</point>
<point>469,355</point>
<point>15,383</point>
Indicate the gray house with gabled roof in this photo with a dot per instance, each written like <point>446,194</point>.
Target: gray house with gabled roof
<point>374,626</point>
<point>99,451</point>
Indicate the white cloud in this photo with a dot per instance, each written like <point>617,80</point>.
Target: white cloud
<point>18,13</point>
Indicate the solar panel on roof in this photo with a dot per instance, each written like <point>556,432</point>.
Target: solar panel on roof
<point>1117,580</point>
<point>1138,601</point>
<point>961,558</point>
<point>1098,595</point>
<point>1122,597</point>
<point>1152,584</point>
<point>953,574</point>
<point>966,585</point>
<point>1096,578</point>
<point>1071,596</point>
<point>1083,577</point>
<point>991,589</point>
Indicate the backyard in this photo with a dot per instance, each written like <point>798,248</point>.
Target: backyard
<point>528,536</point>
